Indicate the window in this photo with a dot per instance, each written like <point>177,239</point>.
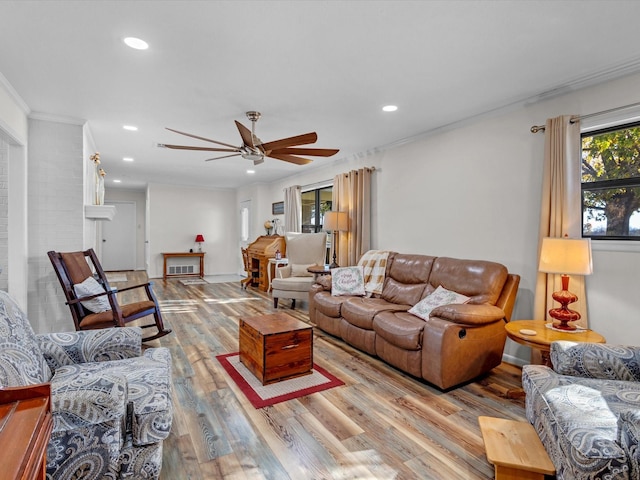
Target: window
<point>611,183</point>
<point>314,204</point>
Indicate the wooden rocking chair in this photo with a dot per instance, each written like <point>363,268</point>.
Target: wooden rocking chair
<point>73,268</point>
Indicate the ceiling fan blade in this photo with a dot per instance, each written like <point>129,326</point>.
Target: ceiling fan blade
<point>303,139</point>
<point>225,156</point>
<point>200,149</point>
<point>291,159</point>
<point>318,152</point>
<point>245,133</point>
<point>202,138</point>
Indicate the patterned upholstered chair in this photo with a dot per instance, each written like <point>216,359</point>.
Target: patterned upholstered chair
<point>586,409</point>
<point>111,404</point>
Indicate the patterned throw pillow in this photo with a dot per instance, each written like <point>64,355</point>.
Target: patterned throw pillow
<point>347,281</point>
<point>91,287</point>
<point>440,296</point>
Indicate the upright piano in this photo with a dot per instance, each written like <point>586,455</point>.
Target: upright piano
<point>260,251</point>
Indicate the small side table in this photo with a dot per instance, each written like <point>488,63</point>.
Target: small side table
<point>544,336</point>
<point>276,263</point>
<point>319,270</point>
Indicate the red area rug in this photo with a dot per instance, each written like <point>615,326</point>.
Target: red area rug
<point>265,395</point>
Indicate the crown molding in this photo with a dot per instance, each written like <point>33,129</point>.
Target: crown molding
<point>14,94</point>
<point>49,117</point>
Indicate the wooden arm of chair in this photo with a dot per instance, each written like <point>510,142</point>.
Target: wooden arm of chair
<point>145,285</point>
<point>113,291</point>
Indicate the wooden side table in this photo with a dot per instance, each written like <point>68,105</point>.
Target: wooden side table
<point>25,428</point>
<point>514,449</point>
<point>167,255</point>
<point>541,341</point>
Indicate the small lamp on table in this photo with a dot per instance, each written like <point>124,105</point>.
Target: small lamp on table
<point>336,222</point>
<point>199,241</point>
<point>565,256</point>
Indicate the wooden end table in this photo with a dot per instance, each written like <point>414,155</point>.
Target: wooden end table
<point>544,336</point>
<point>514,449</point>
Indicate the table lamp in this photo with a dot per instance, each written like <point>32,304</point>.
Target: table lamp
<point>565,256</point>
<point>199,240</point>
<point>336,222</point>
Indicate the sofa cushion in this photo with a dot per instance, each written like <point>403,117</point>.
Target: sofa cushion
<point>480,280</point>
<point>292,284</point>
<point>407,277</point>
<point>360,311</point>
<point>439,297</point>
<point>347,281</point>
<point>328,304</point>
<point>400,329</point>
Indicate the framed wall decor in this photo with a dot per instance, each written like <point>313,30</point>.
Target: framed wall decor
<point>277,208</point>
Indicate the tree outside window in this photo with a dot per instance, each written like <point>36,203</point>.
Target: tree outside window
<point>611,183</point>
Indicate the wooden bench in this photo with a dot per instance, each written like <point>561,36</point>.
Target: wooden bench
<point>514,449</point>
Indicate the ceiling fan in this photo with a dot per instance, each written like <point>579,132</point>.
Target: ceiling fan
<point>254,149</point>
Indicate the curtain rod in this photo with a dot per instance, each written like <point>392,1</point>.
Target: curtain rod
<point>540,128</point>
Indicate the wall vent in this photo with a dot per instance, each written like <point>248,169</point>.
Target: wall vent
<point>181,269</point>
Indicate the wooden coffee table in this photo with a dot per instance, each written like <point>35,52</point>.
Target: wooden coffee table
<point>544,336</point>
<point>276,347</point>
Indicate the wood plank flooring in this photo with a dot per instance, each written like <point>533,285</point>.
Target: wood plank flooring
<point>382,424</point>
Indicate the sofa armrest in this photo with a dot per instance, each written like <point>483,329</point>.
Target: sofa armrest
<point>596,360</point>
<point>70,348</point>
<point>78,399</point>
<point>469,314</point>
<point>324,281</point>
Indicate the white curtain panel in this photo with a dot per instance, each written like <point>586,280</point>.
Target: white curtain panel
<point>561,209</point>
<point>292,209</point>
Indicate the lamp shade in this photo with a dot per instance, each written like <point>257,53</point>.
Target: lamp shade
<point>199,238</point>
<point>336,221</point>
<point>570,256</point>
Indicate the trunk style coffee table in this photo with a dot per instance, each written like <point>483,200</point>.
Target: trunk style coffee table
<point>276,347</point>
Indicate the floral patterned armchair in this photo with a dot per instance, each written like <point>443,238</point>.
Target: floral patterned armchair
<point>111,404</point>
<point>587,409</point>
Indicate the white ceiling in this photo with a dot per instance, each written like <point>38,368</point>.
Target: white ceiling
<point>323,66</point>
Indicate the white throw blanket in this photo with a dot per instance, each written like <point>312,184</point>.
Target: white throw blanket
<point>374,263</point>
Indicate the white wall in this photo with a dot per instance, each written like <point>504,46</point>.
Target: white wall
<point>473,191</point>
<point>177,214</point>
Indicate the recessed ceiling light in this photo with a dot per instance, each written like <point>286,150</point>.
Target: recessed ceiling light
<point>389,108</point>
<point>136,43</point>
<point>117,181</point>
<point>130,127</point>
<point>127,159</point>
<point>251,171</point>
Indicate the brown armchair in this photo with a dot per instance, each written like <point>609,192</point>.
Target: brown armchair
<point>74,268</point>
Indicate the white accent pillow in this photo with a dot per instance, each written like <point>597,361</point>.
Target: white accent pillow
<point>347,281</point>
<point>300,270</point>
<point>440,296</point>
<point>91,287</point>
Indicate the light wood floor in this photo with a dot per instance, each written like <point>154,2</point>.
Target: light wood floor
<point>382,424</point>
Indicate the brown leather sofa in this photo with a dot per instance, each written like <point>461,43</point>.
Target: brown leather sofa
<point>457,343</point>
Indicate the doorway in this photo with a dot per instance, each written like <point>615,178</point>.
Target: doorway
<point>119,238</point>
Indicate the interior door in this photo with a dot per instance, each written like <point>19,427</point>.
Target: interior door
<point>119,238</point>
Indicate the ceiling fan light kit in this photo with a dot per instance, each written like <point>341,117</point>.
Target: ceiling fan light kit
<point>254,149</point>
